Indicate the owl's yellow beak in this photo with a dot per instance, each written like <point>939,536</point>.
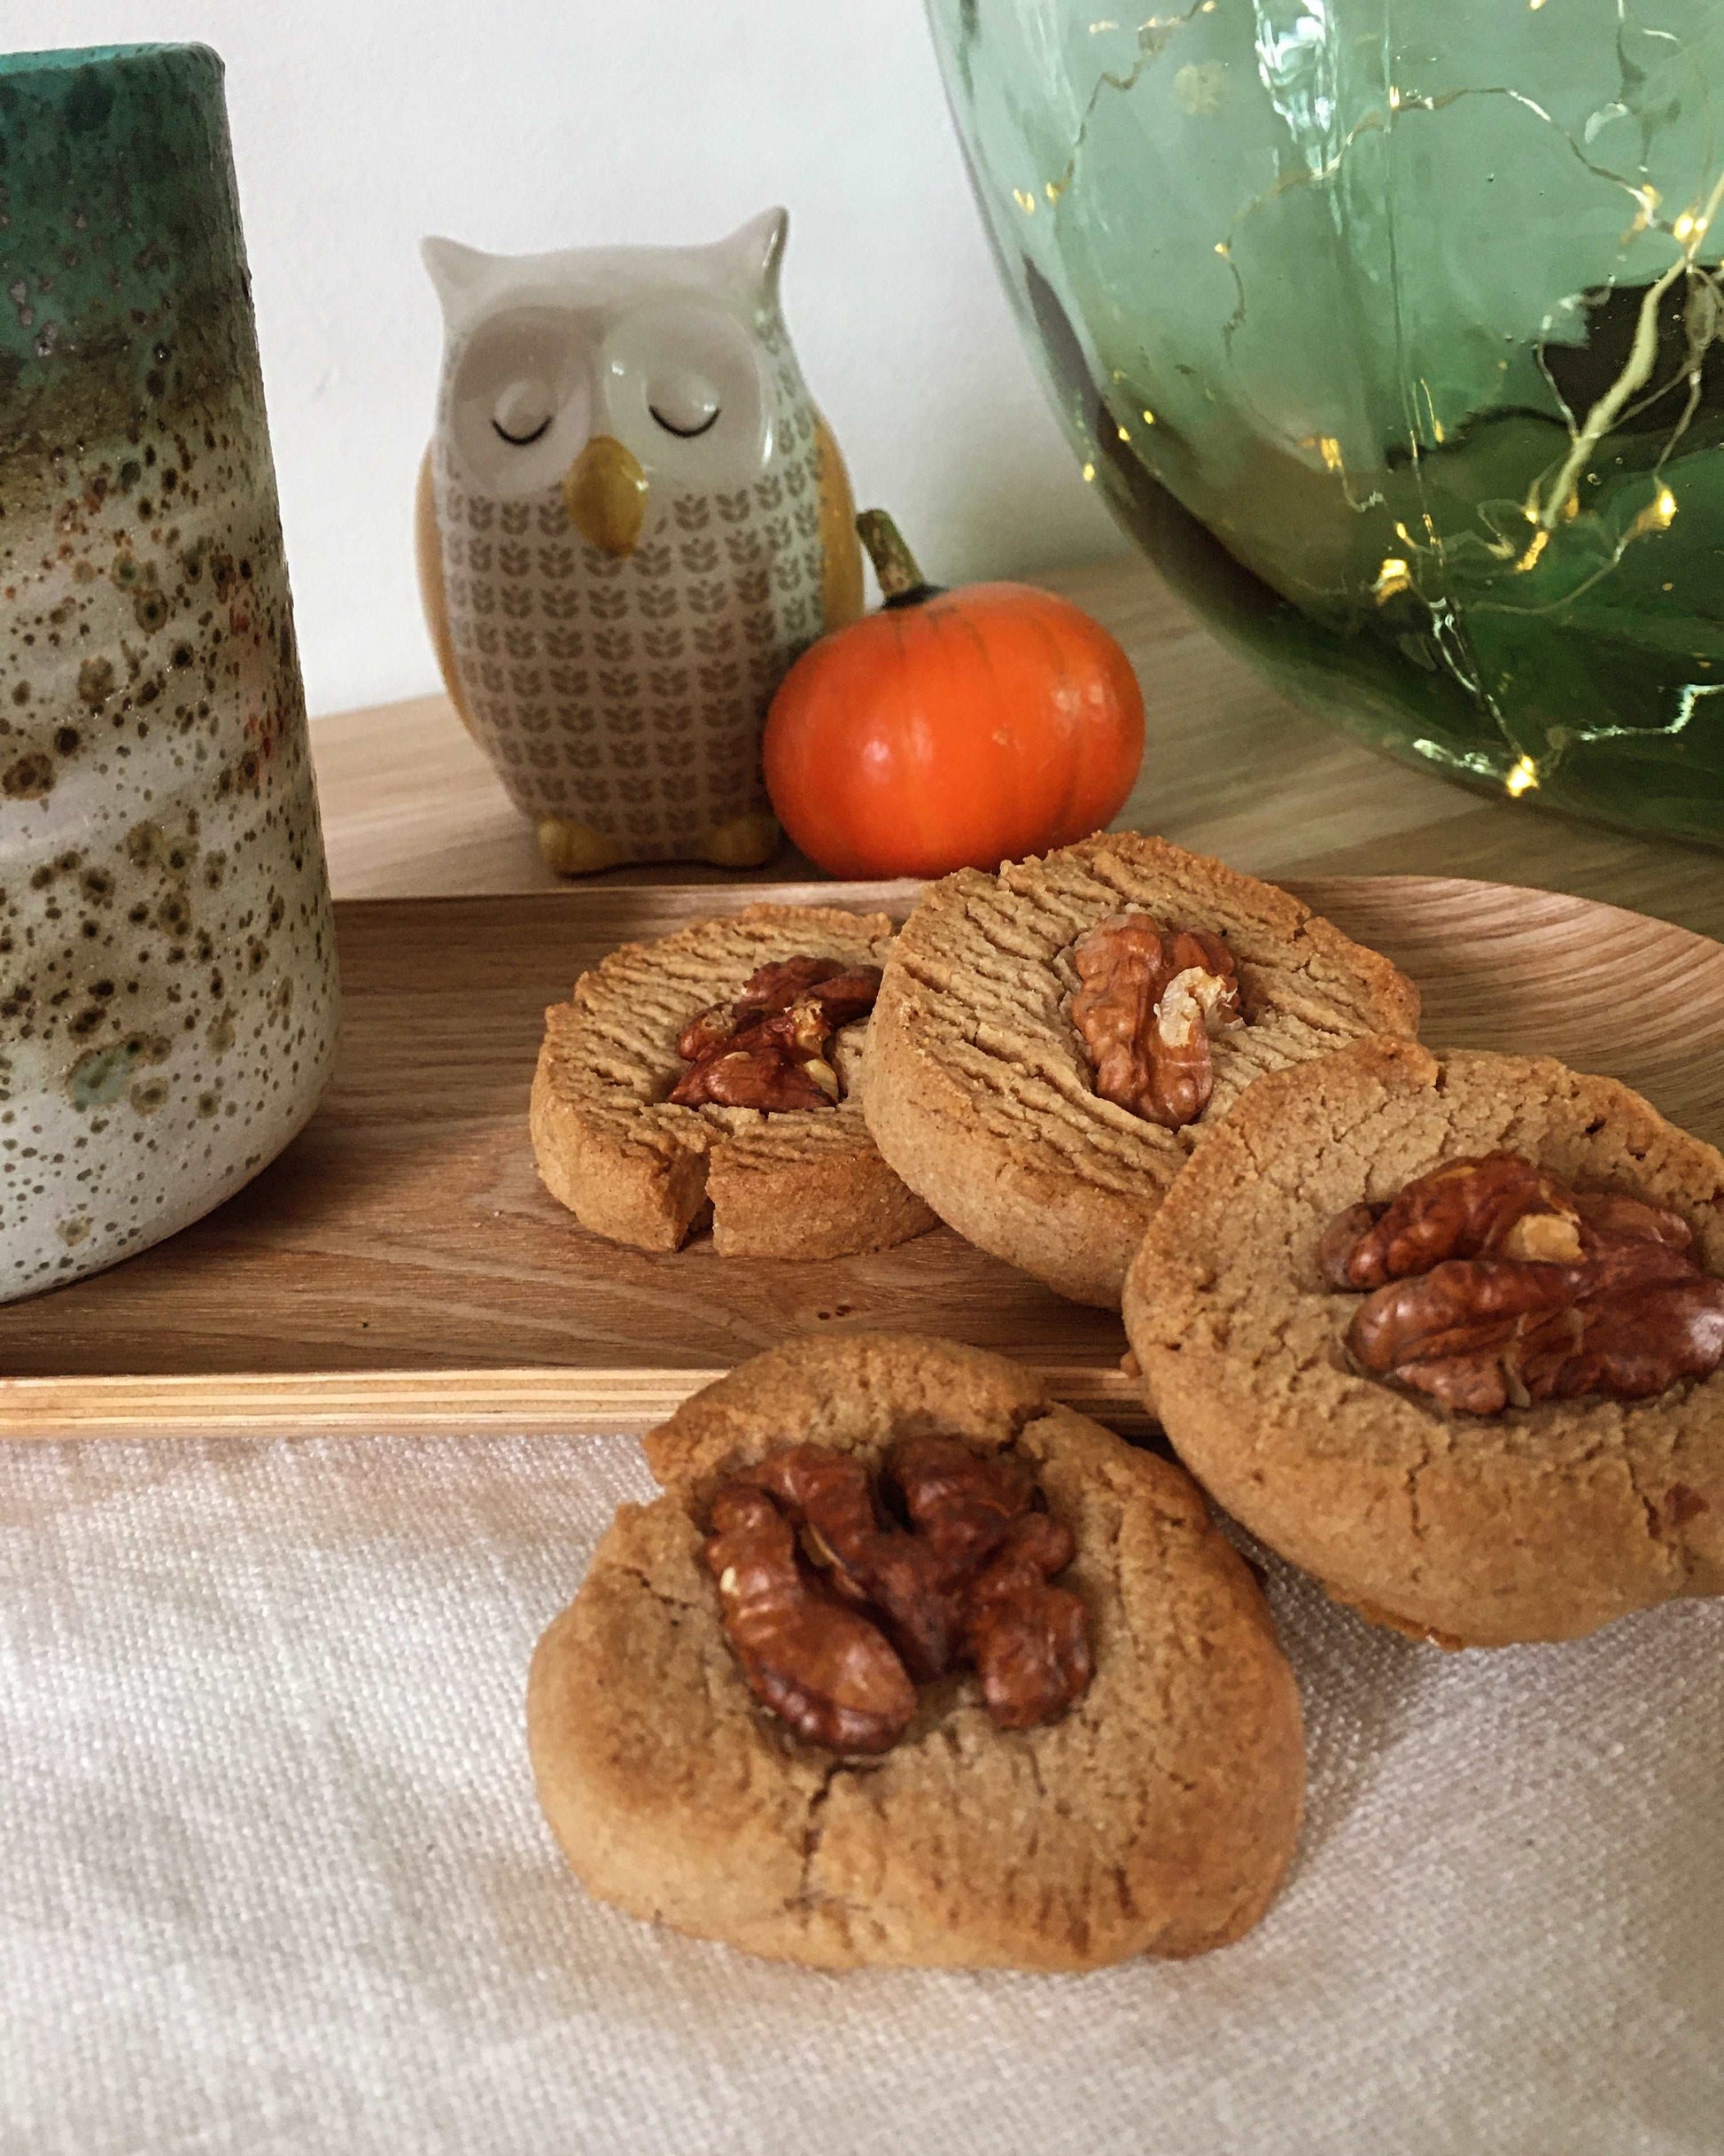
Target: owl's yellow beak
<point>605,492</point>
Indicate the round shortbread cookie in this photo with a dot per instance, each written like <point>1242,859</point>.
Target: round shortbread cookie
<point>1541,1522</point>
<point>805,1183</point>
<point>1157,1816</point>
<point>981,1094</point>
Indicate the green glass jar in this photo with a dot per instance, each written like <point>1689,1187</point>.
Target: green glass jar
<point>1393,334</point>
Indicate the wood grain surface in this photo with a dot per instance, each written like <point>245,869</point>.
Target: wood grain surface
<point>400,1267</point>
<point>411,807</point>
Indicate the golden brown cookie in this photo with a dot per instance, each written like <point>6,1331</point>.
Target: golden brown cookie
<point>1157,1816</point>
<point>982,1096</point>
<point>804,1183</point>
<point>1537,1523</point>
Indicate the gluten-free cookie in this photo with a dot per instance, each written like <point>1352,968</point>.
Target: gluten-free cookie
<point>716,1075</point>
<point>1050,1043</point>
<point>1447,1332</point>
<point>911,1665</point>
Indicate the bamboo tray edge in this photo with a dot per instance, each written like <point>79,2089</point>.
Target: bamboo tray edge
<point>533,1403</point>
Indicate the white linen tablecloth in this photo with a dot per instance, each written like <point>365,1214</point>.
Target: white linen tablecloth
<point>272,1875</point>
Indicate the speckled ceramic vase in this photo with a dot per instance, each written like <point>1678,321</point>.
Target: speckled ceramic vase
<point>167,971</point>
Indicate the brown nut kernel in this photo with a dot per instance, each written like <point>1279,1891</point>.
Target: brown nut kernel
<point>1029,1640</point>
<point>1501,1287</point>
<point>829,1493</point>
<point>845,997</point>
<point>1462,1209</point>
<point>1459,1332</point>
<point>1339,1239</point>
<point>1613,1215</point>
<point>960,1506</point>
<point>1151,999</point>
<point>967,1582</point>
<point>764,1075</point>
<point>708,1033</point>
<point>767,1050</point>
<point>778,984</point>
<point>1641,1342</point>
<point>823,1668</point>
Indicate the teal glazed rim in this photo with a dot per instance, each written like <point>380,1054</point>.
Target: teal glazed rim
<point>120,246</point>
<point>58,57</point>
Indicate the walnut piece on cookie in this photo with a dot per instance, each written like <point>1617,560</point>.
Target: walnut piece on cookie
<point>802,1181</point>
<point>1157,1813</point>
<point>1493,1285</point>
<point>1001,1079</point>
<point>1480,1523</point>
<point>841,1588</point>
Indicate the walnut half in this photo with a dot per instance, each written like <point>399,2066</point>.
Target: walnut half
<point>1494,1285</point>
<point>767,1050</point>
<point>1151,999</point>
<point>968,1581</point>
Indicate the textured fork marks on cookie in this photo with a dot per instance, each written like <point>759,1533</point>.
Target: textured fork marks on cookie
<point>981,1094</point>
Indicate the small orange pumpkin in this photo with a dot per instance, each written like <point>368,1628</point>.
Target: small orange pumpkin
<point>950,729</point>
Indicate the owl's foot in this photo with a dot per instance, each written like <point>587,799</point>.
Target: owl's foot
<point>576,849</point>
<point>745,841</point>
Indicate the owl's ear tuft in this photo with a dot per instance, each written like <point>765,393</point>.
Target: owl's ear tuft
<point>756,252</point>
<point>456,271</point>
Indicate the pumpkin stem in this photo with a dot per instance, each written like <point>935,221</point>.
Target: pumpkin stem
<point>895,565</point>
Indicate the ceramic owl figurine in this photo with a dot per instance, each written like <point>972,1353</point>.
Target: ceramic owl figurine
<point>631,519</point>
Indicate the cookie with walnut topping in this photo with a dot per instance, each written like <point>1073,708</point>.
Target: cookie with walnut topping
<point>1050,1043</point>
<point>699,1078</point>
<point>1447,1332</point>
<point>1150,1808</point>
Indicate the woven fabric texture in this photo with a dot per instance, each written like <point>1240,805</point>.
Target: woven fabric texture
<point>273,1877</point>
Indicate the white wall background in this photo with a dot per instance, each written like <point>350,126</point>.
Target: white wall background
<point>518,125</point>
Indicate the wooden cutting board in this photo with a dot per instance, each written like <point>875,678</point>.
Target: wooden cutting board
<point>399,1268</point>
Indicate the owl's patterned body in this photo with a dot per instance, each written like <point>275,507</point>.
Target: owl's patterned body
<point>616,593</point>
